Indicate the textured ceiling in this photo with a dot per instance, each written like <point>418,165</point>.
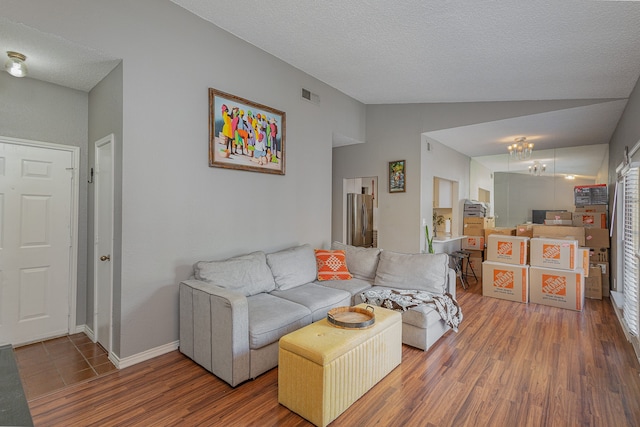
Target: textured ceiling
<point>446,51</point>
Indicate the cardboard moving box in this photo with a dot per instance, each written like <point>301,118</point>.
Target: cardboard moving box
<point>485,222</point>
<point>558,215</point>
<point>505,281</point>
<point>505,231</point>
<point>475,243</point>
<point>595,194</point>
<point>475,226</point>
<point>597,237</point>
<point>560,232</point>
<point>508,249</point>
<point>590,219</point>
<point>583,260</point>
<point>593,284</point>
<point>604,268</point>
<point>558,222</point>
<point>557,288</point>
<point>592,208</point>
<point>599,255</point>
<point>524,230</point>
<point>554,253</point>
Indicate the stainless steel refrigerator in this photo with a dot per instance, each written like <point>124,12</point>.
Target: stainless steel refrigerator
<point>359,219</point>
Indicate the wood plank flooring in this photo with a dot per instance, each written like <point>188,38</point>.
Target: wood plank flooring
<point>510,364</point>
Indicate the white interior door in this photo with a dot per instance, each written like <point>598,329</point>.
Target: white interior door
<point>37,277</point>
<point>103,241</point>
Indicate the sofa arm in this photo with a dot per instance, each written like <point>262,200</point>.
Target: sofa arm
<point>451,282</point>
<point>214,330</point>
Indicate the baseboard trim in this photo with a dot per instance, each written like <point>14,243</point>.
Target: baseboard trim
<point>618,308</point>
<point>145,355</point>
<point>88,332</point>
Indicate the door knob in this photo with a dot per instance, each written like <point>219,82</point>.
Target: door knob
<point>105,258</point>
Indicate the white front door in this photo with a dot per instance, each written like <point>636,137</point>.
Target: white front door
<point>36,241</point>
<point>103,226</point>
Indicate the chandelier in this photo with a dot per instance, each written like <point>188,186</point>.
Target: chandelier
<point>537,169</point>
<point>521,149</point>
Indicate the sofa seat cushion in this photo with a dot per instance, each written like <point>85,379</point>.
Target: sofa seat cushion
<point>247,274</point>
<point>353,286</point>
<point>317,298</point>
<point>424,272</point>
<point>293,266</point>
<point>271,317</point>
<point>421,316</point>
<point>361,262</point>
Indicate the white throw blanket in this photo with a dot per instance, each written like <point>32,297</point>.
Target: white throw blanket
<point>402,300</point>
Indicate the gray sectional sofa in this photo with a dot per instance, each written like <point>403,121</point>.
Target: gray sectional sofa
<point>233,312</point>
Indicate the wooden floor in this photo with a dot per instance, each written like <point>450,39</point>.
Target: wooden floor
<point>510,364</point>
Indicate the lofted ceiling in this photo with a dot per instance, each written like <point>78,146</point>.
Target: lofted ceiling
<point>53,59</point>
<point>423,51</point>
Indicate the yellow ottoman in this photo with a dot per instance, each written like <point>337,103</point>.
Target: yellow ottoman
<point>323,369</point>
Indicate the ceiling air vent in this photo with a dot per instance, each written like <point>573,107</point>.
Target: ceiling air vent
<point>311,97</point>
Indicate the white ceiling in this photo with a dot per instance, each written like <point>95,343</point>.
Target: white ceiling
<point>53,59</point>
<point>413,51</point>
<point>422,51</point>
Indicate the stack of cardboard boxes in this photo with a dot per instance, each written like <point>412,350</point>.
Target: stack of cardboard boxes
<point>557,273</point>
<point>474,242</point>
<point>540,270</point>
<point>477,231</point>
<point>594,219</point>
<point>569,256</point>
<point>506,270</point>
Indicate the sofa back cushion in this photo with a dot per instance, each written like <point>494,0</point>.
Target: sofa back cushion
<point>247,274</point>
<point>293,267</point>
<point>425,272</point>
<point>361,262</point>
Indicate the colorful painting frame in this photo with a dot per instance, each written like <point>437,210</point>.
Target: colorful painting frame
<point>245,135</point>
<point>397,176</point>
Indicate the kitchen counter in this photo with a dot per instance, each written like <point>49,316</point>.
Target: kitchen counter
<point>447,244</point>
<point>447,239</point>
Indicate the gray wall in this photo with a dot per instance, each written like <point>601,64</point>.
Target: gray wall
<point>176,210</point>
<point>105,118</point>
<point>40,111</point>
<point>393,132</point>
<point>627,134</point>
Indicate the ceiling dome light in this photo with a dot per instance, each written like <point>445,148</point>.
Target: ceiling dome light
<point>15,65</point>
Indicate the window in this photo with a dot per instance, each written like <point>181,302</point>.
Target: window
<point>630,246</point>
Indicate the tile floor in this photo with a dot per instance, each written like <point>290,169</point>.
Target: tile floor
<point>51,365</point>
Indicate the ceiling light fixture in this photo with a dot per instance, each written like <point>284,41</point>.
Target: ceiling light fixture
<point>15,65</point>
<point>570,177</point>
<point>521,150</point>
<point>537,169</point>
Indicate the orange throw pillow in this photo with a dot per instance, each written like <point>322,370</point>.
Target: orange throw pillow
<point>332,265</point>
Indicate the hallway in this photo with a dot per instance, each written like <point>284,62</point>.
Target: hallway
<point>51,365</point>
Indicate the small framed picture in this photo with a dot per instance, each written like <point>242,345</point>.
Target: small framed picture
<point>397,173</point>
